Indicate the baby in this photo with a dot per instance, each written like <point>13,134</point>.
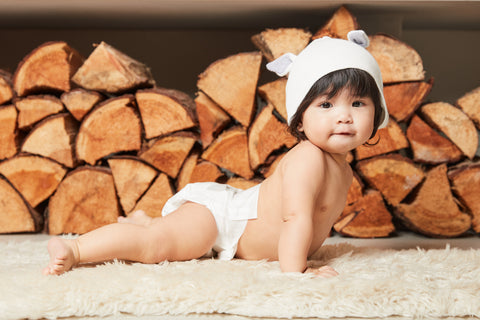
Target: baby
<point>335,103</point>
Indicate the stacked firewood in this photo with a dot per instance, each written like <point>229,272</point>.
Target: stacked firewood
<point>84,141</point>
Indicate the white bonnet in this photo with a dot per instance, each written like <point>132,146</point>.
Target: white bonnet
<point>321,57</point>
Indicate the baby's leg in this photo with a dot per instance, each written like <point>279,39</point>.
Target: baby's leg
<point>185,234</point>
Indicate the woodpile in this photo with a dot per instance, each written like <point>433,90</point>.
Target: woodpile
<point>85,140</point>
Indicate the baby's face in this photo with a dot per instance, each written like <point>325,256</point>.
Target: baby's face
<point>339,124</point>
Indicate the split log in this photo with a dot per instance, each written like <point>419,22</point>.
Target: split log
<point>466,185</point>
<point>54,138</point>
<point>8,132</point>
<point>403,99</point>
<point>169,153</point>
<point>398,61</point>
<point>390,139</point>
<point>212,119</point>
<point>156,196</point>
<point>271,164</point>
<point>132,177</point>
<point>230,151</point>
<point>84,200</point>
<point>266,135</point>
<point>36,178</point>
<point>355,192</point>
<point>112,127</point>
<point>470,104</point>
<point>32,109</point>
<point>429,146</point>
<point>338,26</point>
<point>80,101</point>
<point>6,91</point>
<point>366,218</point>
<point>274,43</point>
<point>232,83</point>
<point>15,213</point>
<point>195,170</point>
<point>48,68</point>
<point>454,124</point>
<point>164,111</point>
<point>110,70</point>
<point>394,176</point>
<point>434,211</point>
<point>241,183</point>
<point>274,93</point>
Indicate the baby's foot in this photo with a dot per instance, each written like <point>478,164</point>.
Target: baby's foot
<point>63,256</point>
<point>138,217</point>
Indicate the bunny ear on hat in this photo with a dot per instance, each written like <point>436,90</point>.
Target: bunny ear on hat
<point>282,65</point>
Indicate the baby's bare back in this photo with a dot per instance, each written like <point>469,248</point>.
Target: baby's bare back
<point>261,237</point>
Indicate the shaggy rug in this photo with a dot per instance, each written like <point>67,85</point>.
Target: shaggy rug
<point>372,283</point>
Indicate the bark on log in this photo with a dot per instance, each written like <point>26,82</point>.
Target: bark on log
<point>232,83</point>
<point>84,200</point>
<point>8,132</point>
<point>398,61</point>
<point>36,178</point>
<point>54,138</point>
<point>434,211</point>
<point>165,111</point>
<point>466,185</point>
<point>110,70</point>
<point>338,26</point>
<point>15,213</point>
<point>112,127</point>
<point>212,119</point>
<point>80,101</point>
<point>394,176</point>
<point>274,43</point>
<point>470,104</point>
<point>32,109</point>
<point>454,124</point>
<point>430,147</point>
<point>48,68</point>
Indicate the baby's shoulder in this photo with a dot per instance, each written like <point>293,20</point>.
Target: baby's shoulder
<point>304,158</point>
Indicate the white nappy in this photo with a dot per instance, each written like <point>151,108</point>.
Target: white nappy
<point>231,208</point>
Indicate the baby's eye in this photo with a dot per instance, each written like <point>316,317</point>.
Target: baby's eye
<point>326,105</point>
<point>357,104</point>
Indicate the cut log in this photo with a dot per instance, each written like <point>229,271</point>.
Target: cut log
<point>6,91</point>
<point>230,151</point>
<point>195,170</point>
<point>132,178</point>
<point>338,26</point>
<point>84,200</point>
<point>48,68</point>
<point>466,185</point>
<point>398,61</point>
<point>165,111</point>
<point>434,211</point>
<point>54,138</point>
<point>366,218</point>
<point>271,164</point>
<point>429,146</point>
<point>470,104</point>
<point>156,196</point>
<point>8,132</point>
<point>266,135</point>
<point>80,101</point>
<point>112,127</point>
<point>35,108</point>
<point>232,83</point>
<point>454,124</point>
<point>273,43</point>
<point>109,70</point>
<point>212,119</point>
<point>274,93</point>
<point>394,176</point>
<point>169,153</point>
<point>241,183</point>
<point>15,213</point>
<point>390,139</point>
<point>355,192</point>
<point>36,178</point>
<point>403,99</point>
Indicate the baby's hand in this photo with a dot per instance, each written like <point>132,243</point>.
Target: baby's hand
<point>323,272</point>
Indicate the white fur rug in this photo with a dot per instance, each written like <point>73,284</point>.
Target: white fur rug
<point>372,283</point>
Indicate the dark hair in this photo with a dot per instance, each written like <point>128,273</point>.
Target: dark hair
<point>361,84</point>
